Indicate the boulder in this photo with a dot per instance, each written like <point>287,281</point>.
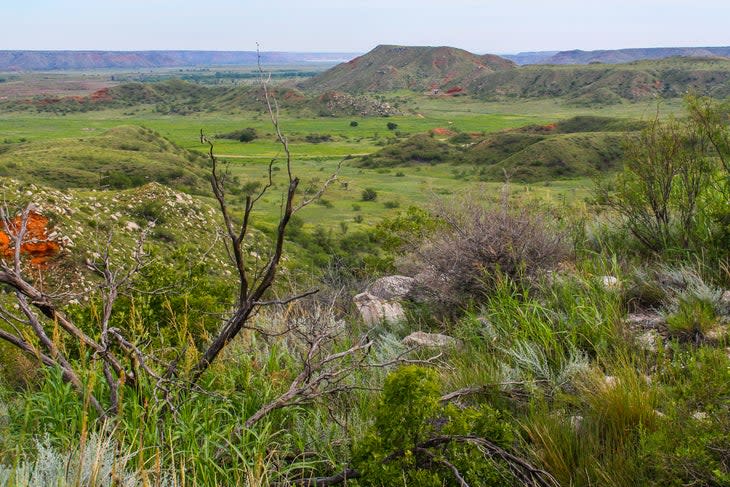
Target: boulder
<point>700,416</point>
<point>392,287</point>
<point>429,340</point>
<point>131,226</point>
<point>381,300</point>
<point>374,310</point>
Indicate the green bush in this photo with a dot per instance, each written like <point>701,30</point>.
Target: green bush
<point>151,210</point>
<point>461,138</point>
<point>410,413</point>
<point>669,192</point>
<point>248,134</point>
<point>318,138</point>
<point>369,194</point>
<point>693,318</point>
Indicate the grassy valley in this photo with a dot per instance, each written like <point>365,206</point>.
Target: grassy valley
<point>433,268</point>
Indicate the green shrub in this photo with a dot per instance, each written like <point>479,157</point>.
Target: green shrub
<point>409,413</point>
<point>151,210</point>
<point>693,318</point>
<point>676,173</point>
<point>461,138</point>
<point>248,134</point>
<point>318,138</point>
<point>369,194</point>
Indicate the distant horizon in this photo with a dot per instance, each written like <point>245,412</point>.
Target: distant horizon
<point>325,51</point>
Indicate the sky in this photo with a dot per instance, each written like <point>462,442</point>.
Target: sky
<point>487,26</point>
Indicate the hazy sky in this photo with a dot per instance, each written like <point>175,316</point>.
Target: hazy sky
<point>502,26</point>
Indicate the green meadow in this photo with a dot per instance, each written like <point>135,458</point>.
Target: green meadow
<point>396,188</point>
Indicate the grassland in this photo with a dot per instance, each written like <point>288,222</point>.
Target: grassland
<point>581,355</point>
<point>315,161</point>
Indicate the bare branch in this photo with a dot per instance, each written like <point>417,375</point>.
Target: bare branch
<point>344,476</point>
<point>282,302</point>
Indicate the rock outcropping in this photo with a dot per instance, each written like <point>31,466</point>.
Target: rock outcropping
<point>381,301</point>
<point>429,340</point>
<point>37,243</point>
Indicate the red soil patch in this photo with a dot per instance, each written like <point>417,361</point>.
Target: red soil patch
<point>36,242</point>
<point>101,95</point>
<point>440,62</point>
<point>293,96</point>
<point>443,131</point>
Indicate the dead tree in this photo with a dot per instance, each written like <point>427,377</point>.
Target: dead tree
<point>253,284</point>
<point>41,313</point>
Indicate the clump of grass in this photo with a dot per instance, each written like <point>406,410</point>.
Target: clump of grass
<point>692,320</point>
<point>97,462</point>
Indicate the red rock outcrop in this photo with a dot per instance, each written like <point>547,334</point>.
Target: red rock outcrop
<point>36,243</point>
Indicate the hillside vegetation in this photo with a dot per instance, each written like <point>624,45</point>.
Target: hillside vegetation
<point>618,56</point>
<point>453,71</point>
<point>352,300</point>
<point>120,158</point>
<point>183,98</point>
<point>601,84</point>
<point>388,68</point>
<point>577,147</point>
<point>520,343</point>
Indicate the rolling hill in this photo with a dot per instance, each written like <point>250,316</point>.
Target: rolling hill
<point>445,70</point>
<point>420,68</point>
<point>618,56</point>
<point>123,157</point>
<point>577,147</point>
<point>606,84</point>
<point>614,56</point>
<point>181,98</point>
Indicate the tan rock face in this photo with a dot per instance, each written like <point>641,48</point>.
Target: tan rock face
<point>391,287</point>
<point>36,242</point>
<point>429,340</point>
<point>375,310</point>
<point>381,301</point>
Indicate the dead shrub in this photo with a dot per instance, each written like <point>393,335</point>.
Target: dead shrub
<point>477,245</point>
